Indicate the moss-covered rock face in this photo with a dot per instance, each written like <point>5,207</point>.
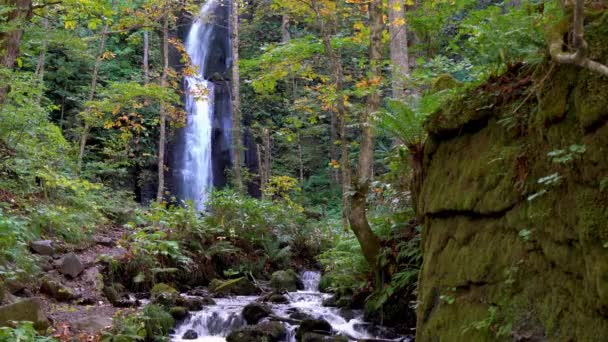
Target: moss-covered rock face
<point>507,257</point>
<point>285,281</point>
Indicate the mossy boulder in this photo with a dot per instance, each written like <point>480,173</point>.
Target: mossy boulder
<point>165,295</point>
<point>316,326</point>
<point>56,290</point>
<point>255,312</point>
<point>179,313</point>
<point>239,287</point>
<point>24,310</point>
<point>266,331</point>
<point>312,337</point>
<point>286,281</point>
<point>444,82</point>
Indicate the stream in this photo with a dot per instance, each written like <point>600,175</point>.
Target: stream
<point>215,322</point>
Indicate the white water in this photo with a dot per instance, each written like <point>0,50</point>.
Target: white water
<point>215,322</point>
<point>196,173</point>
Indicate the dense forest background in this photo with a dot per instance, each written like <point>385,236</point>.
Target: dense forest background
<point>330,100</point>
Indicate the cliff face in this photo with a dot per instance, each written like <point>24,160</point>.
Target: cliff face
<point>515,205</point>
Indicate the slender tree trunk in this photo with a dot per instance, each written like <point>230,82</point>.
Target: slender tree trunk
<point>146,57</point>
<point>286,36</point>
<point>370,244</point>
<point>162,141</point>
<point>236,97</point>
<point>260,166</point>
<point>267,156</point>
<point>337,72</point>
<point>398,47</point>
<point>10,40</point>
<point>42,58</point>
<point>94,79</point>
<point>301,160</point>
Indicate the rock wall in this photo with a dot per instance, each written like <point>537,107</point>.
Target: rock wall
<point>510,254</point>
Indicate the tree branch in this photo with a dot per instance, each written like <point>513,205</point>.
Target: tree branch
<point>579,56</point>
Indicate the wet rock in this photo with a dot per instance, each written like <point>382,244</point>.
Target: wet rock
<point>300,316</point>
<point>286,281</point>
<point>313,337</point>
<point>57,290</point>
<point>43,247</point>
<point>71,265</point>
<point>317,326</point>
<point>24,310</point>
<point>179,313</point>
<point>190,335</point>
<point>165,295</point>
<point>195,303</point>
<point>331,302</point>
<point>275,297</point>
<point>267,331</point>
<point>254,312</point>
<point>45,263</point>
<point>13,286</point>
<point>239,287</point>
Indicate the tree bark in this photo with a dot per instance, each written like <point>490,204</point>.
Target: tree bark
<point>370,244</point>
<point>285,35</point>
<point>236,97</point>
<point>42,59</point>
<point>337,75</point>
<point>94,79</point>
<point>398,47</point>
<point>267,156</point>
<point>146,57</point>
<point>10,40</point>
<point>162,141</point>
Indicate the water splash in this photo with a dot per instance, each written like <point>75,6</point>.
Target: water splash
<point>214,323</point>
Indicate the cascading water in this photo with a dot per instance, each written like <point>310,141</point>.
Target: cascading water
<point>205,140</point>
<point>215,322</point>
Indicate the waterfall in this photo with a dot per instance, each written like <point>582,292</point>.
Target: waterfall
<point>205,140</point>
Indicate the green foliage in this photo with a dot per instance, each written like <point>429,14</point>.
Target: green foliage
<point>150,324</point>
<point>346,270</point>
<point>15,261</point>
<point>23,332</point>
<point>403,122</point>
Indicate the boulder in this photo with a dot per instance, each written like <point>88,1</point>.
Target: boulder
<point>42,247</point>
<point>25,310</point>
<point>239,287</point>
<point>105,241</point>
<point>165,295</point>
<point>267,332</point>
<point>317,326</point>
<point>71,265</point>
<point>331,302</point>
<point>195,303</point>
<point>57,290</point>
<point>190,335</point>
<point>286,281</point>
<point>179,313</point>
<point>312,337</point>
<point>254,312</point>
<point>275,297</point>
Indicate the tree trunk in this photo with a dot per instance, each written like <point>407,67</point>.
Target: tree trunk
<point>286,36</point>
<point>146,57</point>
<point>301,160</point>
<point>94,79</point>
<point>398,47</point>
<point>267,156</point>
<point>42,59</point>
<point>10,40</point>
<point>162,141</point>
<point>370,244</point>
<point>260,166</point>
<point>236,97</point>
<point>337,73</point>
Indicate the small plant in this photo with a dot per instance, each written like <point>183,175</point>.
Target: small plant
<point>491,323</point>
<point>448,299</point>
<point>525,234</point>
<point>23,332</point>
